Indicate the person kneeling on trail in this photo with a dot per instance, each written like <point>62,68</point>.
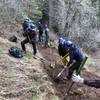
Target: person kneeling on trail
<point>91,83</point>
<point>74,52</point>
<point>30,38</point>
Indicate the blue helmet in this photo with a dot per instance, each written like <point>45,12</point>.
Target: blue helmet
<point>68,43</point>
<point>61,41</point>
<point>32,27</point>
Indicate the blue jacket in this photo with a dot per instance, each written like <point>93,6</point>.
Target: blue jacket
<point>76,54</point>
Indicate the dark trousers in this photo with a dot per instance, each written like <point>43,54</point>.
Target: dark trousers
<point>33,41</point>
<point>47,39</point>
<point>40,36</point>
<point>73,68</point>
<point>92,83</point>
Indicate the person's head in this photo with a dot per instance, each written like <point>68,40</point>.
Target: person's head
<point>64,42</point>
<point>68,44</point>
<point>32,27</point>
<point>61,41</point>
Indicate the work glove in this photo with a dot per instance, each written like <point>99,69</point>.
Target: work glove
<point>77,78</point>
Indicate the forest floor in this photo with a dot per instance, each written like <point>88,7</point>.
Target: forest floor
<point>33,79</point>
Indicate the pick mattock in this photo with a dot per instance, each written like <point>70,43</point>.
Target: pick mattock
<point>64,69</point>
<point>64,61</point>
<point>78,73</point>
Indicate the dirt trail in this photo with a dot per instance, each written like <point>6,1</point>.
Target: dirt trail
<point>81,92</point>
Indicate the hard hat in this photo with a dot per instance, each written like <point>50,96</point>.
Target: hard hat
<point>61,41</point>
<point>68,43</point>
<point>32,26</point>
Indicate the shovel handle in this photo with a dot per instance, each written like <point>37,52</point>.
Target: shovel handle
<point>61,72</point>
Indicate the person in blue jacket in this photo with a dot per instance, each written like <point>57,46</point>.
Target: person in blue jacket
<point>30,38</point>
<point>74,52</point>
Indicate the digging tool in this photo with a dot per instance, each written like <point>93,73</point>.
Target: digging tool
<point>64,60</point>
<point>61,72</point>
<point>64,69</point>
<point>78,73</point>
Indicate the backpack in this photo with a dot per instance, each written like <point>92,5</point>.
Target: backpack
<point>15,52</point>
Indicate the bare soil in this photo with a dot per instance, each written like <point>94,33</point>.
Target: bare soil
<point>78,91</point>
<point>35,79</point>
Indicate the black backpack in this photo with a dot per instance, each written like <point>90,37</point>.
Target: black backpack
<point>16,52</point>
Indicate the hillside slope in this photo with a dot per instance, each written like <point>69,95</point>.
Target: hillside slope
<point>22,79</point>
<point>32,79</point>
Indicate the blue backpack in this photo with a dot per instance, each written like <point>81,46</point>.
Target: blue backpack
<point>16,52</point>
